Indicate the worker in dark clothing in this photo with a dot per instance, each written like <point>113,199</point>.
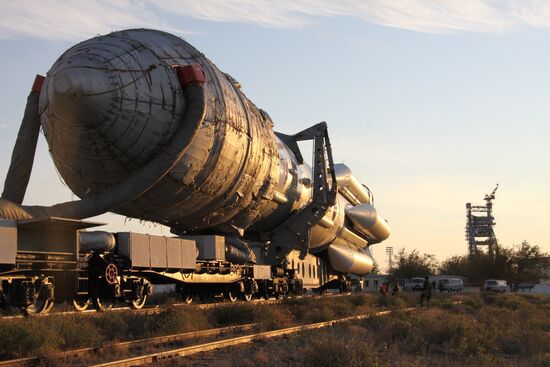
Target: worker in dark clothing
<point>395,289</point>
<point>384,288</point>
<point>426,292</point>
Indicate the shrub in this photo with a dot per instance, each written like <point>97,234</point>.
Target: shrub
<point>342,349</point>
<point>26,337</point>
<point>234,314</point>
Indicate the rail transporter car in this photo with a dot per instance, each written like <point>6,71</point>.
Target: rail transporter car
<point>140,123</point>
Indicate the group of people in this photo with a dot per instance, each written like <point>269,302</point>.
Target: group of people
<point>425,295</point>
<point>385,288</point>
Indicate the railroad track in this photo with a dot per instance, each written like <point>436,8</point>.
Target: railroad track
<point>128,345</point>
<point>155,358</point>
<point>161,342</point>
<point>157,308</point>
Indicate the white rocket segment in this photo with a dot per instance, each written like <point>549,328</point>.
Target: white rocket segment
<point>350,187</point>
<point>347,260</point>
<point>366,220</point>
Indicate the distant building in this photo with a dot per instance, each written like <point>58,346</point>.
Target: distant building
<point>372,282</point>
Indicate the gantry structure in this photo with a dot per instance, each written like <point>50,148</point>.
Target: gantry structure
<point>480,226</point>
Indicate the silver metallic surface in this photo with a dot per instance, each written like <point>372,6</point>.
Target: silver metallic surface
<point>348,260</point>
<point>350,187</point>
<point>96,241</point>
<point>367,221</point>
<point>237,252</point>
<point>111,108</point>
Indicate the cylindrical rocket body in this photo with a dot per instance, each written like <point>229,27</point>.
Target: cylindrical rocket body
<point>110,104</point>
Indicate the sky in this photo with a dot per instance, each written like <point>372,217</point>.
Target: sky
<point>431,103</point>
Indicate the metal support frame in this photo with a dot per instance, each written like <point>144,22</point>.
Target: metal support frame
<point>295,232</point>
<point>479,226</point>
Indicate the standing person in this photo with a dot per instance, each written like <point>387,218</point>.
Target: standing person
<point>426,292</point>
<point>384,289</point>
<point>395,289</point>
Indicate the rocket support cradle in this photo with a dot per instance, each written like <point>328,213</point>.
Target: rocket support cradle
<point>140,123</point>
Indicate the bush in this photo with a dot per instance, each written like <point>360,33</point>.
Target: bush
<point>234,314</point>
<point>348,347</point>
<point>19,339</point>
<point>392,302</point>
<point>362,299</point>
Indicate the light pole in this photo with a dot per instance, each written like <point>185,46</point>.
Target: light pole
<point>389,252</point>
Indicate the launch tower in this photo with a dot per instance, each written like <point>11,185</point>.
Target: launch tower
<point>479,225</point>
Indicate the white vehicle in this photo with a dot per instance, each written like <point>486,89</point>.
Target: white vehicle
<point>451,285</point>
<point>495,285</point>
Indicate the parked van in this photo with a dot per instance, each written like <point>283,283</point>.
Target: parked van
<point>495,285</point>
<point>451,285</point>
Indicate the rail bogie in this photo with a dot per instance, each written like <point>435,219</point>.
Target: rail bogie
<point>100,275</point>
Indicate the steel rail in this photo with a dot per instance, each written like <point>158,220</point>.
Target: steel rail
<point>157,308</point>
<point>206,347</point>
<point>32,361</point>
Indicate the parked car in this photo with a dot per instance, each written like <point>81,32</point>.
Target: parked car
<point>451,285</point>
<point>495,285</point>
<point>417,284</point>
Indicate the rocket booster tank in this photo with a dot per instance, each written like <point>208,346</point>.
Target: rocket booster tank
<point>128,133</point>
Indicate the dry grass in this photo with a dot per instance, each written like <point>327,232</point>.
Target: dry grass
<point>484,330</point>
<point>46,335</point>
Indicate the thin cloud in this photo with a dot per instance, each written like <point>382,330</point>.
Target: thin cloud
<point>424,16</point>
<point>3,126</point>
<point>75,19</point>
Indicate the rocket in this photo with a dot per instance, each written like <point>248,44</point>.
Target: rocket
<point>140,123</point>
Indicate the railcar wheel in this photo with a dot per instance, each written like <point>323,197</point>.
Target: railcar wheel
<point>138,303</point>
<point>40,307</point>
<point>231,296</point>
<point>81,304</point>
<point>43,303</point>
<point>187,298</point>
<point>247,297</point>
<point>103,304</point>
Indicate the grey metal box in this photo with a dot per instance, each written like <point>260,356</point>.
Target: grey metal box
<point>210,247</point>
<point>147,251</point>
<point>262,271</point>
<point>8,241</point>
<point>189,253</point>
<point>136,247</point>
<point>174,255</point>
<point>157,248</point>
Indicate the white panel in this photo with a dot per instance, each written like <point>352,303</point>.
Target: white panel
<point>8,242</point>
<point>189,254</point>
<point>262,272</point>
<point>174,253</point>
<point>157,246</point>
<point>139,250</point>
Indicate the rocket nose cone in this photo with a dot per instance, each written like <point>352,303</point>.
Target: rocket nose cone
<point>78,95</point>
<point>78,81</point>
<point>62,84</point>
<point>82,80</point>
